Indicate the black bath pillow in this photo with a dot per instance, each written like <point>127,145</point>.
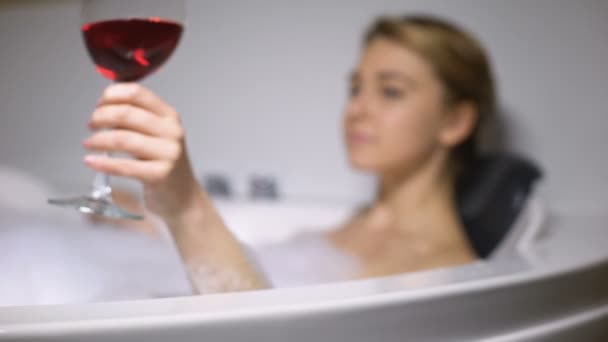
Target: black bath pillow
<point>490,195</point>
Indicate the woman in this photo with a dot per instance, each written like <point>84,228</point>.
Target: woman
<point>418,95</point>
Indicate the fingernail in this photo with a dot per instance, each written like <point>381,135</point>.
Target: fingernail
<point>86,142</point>
<point>91,158</point>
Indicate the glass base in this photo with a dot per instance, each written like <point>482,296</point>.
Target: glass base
<point>95,206</point>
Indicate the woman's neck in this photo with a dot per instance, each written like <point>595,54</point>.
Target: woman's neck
<point>412,225</point>
<point>420,203</point>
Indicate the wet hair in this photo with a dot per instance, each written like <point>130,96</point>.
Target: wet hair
<point>459,62</point>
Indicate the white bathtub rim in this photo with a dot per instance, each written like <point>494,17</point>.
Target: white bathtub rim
<point>363,301</point>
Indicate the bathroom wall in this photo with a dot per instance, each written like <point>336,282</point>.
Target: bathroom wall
<point>261,85</point>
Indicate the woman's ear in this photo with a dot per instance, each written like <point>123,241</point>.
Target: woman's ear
<point>458,124</point>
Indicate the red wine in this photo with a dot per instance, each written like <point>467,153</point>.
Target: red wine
<point>128,49</point>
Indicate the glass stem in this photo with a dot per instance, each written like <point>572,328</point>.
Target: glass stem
<point>101,185</point>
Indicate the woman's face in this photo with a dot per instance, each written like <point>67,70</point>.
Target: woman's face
<point>394,115</point>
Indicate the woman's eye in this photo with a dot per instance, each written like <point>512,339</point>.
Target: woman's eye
<point>354,90</point>
<point>392,93</point>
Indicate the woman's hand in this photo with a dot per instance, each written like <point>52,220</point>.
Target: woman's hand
<point>131,119</point>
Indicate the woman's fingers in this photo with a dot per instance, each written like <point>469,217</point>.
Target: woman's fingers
<point>129,117</point>
<point>138,145</point>
<point>138,96</point>
<point>141,124</point>
<point>146,171</point>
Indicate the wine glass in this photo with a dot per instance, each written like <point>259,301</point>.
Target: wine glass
<point>127,40</point>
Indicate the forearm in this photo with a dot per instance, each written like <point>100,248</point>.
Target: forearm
<point>214,258</point>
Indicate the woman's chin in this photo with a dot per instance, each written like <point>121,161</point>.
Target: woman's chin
<point>363,164</point>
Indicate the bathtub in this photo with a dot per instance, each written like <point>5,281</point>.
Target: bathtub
<point>548,281</point>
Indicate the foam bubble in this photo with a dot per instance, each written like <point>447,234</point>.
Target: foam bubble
<point>51,263</point>
<point>305,259</point>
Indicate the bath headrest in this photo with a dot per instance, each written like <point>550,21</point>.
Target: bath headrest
<point>490,195</point>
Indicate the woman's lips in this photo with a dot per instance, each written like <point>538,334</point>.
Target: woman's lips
<point>359,138</point>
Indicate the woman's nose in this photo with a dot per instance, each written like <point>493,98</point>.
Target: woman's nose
<point>358,105</point>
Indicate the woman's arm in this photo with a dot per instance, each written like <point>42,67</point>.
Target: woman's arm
<point>131,119</point>
<point>215,260</point>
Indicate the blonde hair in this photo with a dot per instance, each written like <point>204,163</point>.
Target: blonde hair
<point>459,62</point>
